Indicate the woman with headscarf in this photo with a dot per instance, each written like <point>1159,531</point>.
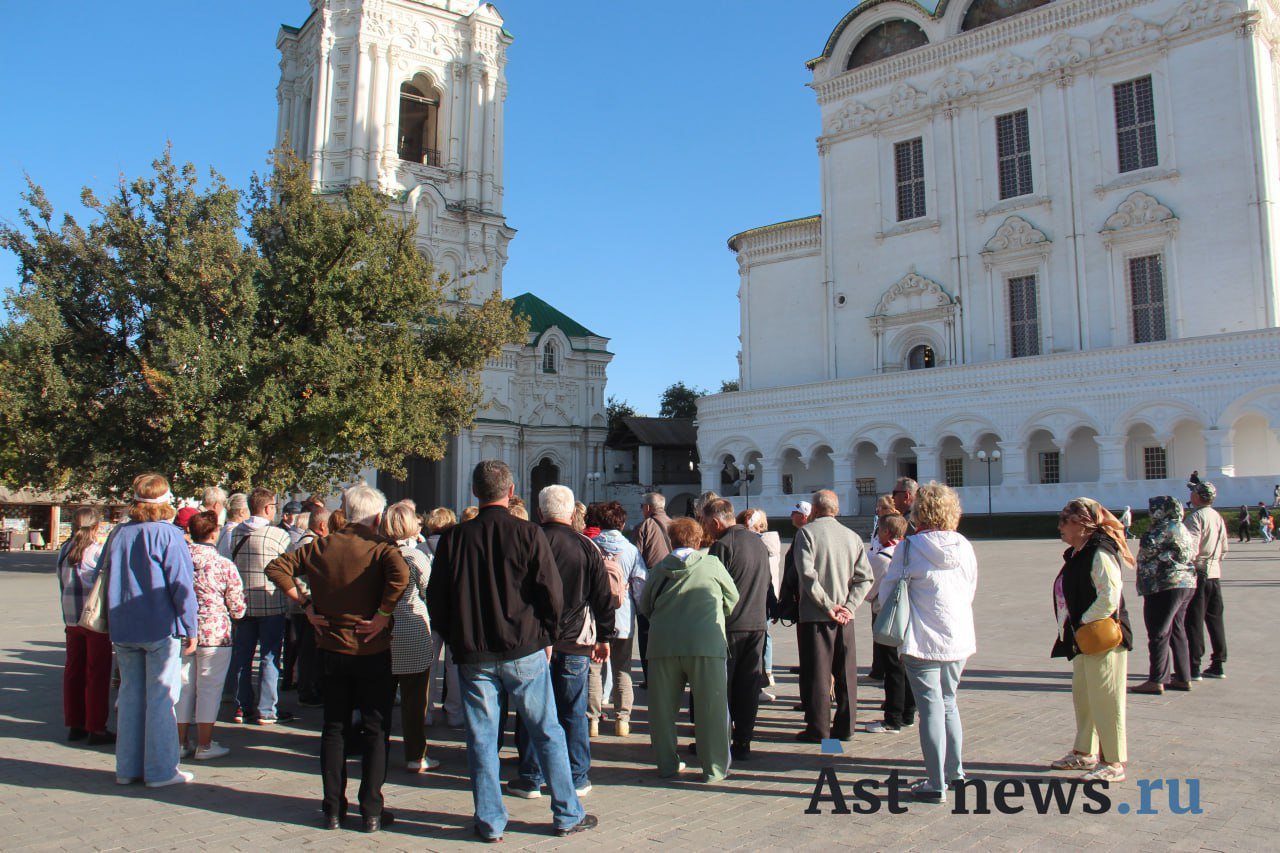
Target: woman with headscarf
<point>1166,582</point>
<point>1088,589</point>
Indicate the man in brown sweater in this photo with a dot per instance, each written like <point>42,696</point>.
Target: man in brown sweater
<point>356,577</point>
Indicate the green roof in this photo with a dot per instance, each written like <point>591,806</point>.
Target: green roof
<point>543,316</point>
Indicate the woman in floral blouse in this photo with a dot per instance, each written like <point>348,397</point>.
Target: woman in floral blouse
<point>1166,582</point>
<point>220,598</point>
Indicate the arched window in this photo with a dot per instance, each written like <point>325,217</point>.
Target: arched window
<point>920,357</point>
<point>549,357</point>
<point>884,41</point>
<point>419,121</point>
<point>984,12</point>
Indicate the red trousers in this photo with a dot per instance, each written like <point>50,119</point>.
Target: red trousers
<point>86,680</point>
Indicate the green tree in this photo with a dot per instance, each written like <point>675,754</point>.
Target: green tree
<point>156,339</point>
<point>728,386</point>
<point>680,401</point>
<point>615,410</point>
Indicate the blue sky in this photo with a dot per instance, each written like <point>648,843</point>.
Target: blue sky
<point>639,137</point>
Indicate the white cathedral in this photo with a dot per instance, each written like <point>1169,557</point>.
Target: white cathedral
<point>1046,255</point>
<point>407,96</point>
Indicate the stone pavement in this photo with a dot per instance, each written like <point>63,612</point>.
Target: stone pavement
<point>1015,702</point>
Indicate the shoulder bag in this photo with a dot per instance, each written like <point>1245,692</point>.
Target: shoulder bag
<point>891,626</point>
<point>1094,638</point>
<point>94,616</point>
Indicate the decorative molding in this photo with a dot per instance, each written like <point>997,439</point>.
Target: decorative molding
<point>1137,178</point>
<point>1014,235</point>
<point>912,285</point>
<point>1139,216</point>
<point>1008,205</point>
<point>1066,54</point>
<point>909,227</point>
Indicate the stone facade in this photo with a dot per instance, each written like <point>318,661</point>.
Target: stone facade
<point>1047,231</point>
<point>407,96</point>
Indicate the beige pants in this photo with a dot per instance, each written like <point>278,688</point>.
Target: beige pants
<point>620,666</point>
<point>1098,693</point>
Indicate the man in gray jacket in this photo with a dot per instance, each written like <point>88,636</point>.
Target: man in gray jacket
<point>651,541</point>
<point>1209,532</point>
<point>835,576</point>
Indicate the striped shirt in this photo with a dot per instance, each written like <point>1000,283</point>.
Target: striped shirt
<point>75,582</point>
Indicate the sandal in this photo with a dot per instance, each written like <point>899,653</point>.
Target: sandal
<point>1075,761</point>
<point>1105,773</point>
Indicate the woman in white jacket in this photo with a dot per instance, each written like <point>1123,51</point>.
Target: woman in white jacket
<point>942,576</point>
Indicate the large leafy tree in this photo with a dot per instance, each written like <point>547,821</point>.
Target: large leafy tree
<point>157,338</point>
<point>680,401</point>
<point>615,410</point>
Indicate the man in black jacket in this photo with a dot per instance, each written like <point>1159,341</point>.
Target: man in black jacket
<point>747,559</point>
<point>586,626</point>
<point>496,596</point>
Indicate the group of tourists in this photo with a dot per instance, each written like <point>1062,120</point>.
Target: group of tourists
<point>507,615</point>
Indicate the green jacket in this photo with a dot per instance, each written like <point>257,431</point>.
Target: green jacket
<point>687,603</point>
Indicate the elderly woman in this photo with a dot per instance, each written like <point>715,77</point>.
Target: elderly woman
<point>1167,583</point>
<point>411,649</point>
<point>219,599</point>
<point>86,678</point>
<point>941,572</point>
<point>1089,589</point>
<point>151,607</point>
<point>610,518</point>
<point>687,599</point>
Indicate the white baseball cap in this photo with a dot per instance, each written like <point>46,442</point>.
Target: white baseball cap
<point>804,508</point>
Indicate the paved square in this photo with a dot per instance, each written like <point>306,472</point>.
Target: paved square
<point>1014,699</point>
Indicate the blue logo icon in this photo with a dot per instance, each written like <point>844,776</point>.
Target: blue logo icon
<point>831,746</point>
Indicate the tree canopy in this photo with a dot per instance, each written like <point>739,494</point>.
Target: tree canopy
<point>680,401</point>
<point>157,339</point>
<point>615,410</point>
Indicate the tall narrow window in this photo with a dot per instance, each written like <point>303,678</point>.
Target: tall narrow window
<point>1013,153</point>
<point>1146,299</point>
<point>549,357</point>
<point>1051,467</point>
<point>1136,125</point>
<point>953,472</point>
<point>419,122</point>
<point>908,166</point>
<point>1024,317</point>
<point>1154,463</point>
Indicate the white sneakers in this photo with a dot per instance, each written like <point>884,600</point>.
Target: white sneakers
<point>213,750</point>
<point>422,766</point>
<point>182,777</point>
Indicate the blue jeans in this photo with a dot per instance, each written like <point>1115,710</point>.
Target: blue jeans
<point>768,652</point>
<point>150,682</point>
<point>569,683</point>
<point>934,683</point>
<point>266,633</point>
<point>526,682</point>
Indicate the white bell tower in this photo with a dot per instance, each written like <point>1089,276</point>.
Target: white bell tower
<point>407,96</point>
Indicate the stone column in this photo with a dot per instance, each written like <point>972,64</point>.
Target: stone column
<point>1013,464</point>
<point>710,475</point>
<point>377,116</point>
<point>1220,453</point>
<point>770,477</point>
<point>1111,458</point>
<point>843,485</point>
<point>644,465</point>
<point>927,464</point>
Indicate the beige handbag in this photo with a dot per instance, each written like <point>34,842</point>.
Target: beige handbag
<point>94,616</point>
<point>1094,638</point>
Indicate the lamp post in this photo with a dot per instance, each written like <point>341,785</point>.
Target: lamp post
<point>987,459</point>
<point>747,477</point>
<point>593,478</point>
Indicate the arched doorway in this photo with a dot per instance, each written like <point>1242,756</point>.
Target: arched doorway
<point>545,473</point>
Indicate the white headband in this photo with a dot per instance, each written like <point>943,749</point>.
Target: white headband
<point>166,498</point>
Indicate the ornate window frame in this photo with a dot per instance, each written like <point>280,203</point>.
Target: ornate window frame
<point>934,325</point>
<point>1017,248</point>
<point>1141,225</point>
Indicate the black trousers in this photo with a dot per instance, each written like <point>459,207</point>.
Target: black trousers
<point>1164,613</point>
<point>899,702</point>
<point>304,665</point>
<point>1205,611</point>
<point>827,651</point>
<point>746,674</point>
<point>351,683</point>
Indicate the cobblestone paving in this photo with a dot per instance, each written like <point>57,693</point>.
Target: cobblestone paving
<point>1015,703</point>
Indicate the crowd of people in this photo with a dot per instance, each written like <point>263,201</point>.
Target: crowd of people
<point>497,620</point>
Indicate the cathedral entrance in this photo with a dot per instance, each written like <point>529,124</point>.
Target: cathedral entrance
<point>545,473</point>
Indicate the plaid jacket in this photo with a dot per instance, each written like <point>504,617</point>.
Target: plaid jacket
<point>253,546</point>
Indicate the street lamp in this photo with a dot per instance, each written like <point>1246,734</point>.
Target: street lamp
<point>593,478</point>
<point>987,459</point>
<point>747,477</point>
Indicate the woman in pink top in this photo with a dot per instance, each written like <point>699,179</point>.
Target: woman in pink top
<point>219,598</point>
